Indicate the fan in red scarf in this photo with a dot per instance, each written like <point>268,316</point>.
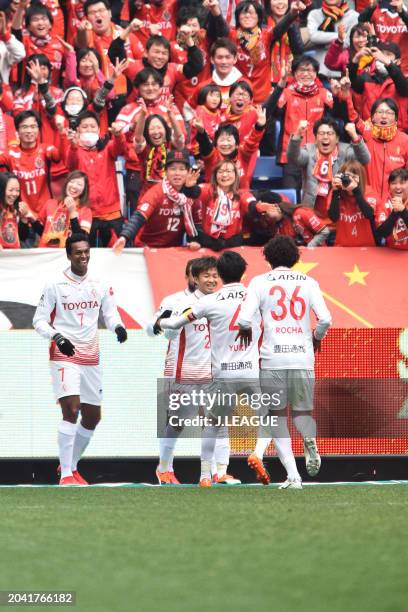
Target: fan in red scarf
<point>153,136</point>
<point>38,22</point>
<point>163,213</point>
<point>227,146</point>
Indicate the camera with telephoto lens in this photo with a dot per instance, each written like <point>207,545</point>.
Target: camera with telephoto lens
<point>345,180</point>
<point>372,41</point>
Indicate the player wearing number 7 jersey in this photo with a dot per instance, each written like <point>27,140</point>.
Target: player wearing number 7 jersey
<point>285,299</point>
<point>67,314</point>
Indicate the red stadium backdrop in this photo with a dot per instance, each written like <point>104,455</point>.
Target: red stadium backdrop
<point>361,402</point>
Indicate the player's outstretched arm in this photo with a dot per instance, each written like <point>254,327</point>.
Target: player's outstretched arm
<point>176,322</point>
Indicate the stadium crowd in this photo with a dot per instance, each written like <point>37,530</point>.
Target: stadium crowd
<point>203,123</point>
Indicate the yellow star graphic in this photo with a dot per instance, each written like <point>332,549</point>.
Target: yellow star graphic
<point>356,276</point>
<point>305,266</point>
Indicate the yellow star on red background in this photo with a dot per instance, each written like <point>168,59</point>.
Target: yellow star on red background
<point>305,266</point>
<point>356,276</point>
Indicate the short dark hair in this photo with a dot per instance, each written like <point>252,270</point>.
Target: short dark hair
<point>202,264</point>
<point>204,91</point>
<point>189,12</point>
<point>143,76</point>
<point>83,199</point>
<point>223,43</point>
<point>226,128</point>
<point>281,251</point>
<point>167,128</point>
<point>26,115</point>
<point>326,121</point>
<point>88,114</point>
<point>243,8</point>
<point>241,85</point>
<point>189,264</point>
<point>231,267</point>
<point>37,9</point>
<point>389,102</point>
<point>303,60</point>
<point>398,173</point>
<point>90,3</point>
<point>78,237</point>
<point>158,39</point>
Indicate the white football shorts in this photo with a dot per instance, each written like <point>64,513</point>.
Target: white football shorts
<point>75,379</point>
<point>295,388</point>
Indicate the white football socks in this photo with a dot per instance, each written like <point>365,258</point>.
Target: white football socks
<point>283,445</point>
<point>208,441</point>
<point>167,446</point>
<point>66,437</point>
<point>261,446</point>
<point>222,451</point>
<point>82,438</point>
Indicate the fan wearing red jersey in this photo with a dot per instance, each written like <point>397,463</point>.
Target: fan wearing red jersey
<point>30,160</point>
<point>163,213</point>
<point>392,216</point>
<point>97,158</point>
<point>285,298</point>
<point>352,207</point>
<point>13,229</point>
<point>227,146</point>
<point>39,39</point>
<point>67,315</point>
<point>220,208</point>
<point>59,218</point>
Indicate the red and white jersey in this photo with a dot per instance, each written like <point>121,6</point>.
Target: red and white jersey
<point>221,309</point>
<point>70,306</point>
<point>188,359</point>
<point>285,299</point>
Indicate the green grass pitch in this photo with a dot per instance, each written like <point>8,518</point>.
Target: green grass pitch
<point>190,550</point>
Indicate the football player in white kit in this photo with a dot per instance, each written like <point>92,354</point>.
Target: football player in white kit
<point>188,364</point>
<point>67,315</point>
<point>230,362</point>
<point>285,299</point>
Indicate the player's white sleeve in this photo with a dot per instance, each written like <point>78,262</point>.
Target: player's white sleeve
<point>249,306</point>
<point>176,322</point>
<point>110,311</point>
<point>42,315</point>
<point>321,311</point>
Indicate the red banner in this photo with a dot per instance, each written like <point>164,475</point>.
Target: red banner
<point>363,287</point>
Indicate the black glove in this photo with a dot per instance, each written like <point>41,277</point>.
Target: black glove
<point>121,333</point>
<point>65,346</point>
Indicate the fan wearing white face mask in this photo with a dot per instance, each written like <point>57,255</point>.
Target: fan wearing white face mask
<point>96,157</point>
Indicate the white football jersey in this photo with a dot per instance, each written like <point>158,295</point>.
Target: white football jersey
<point>221,309</point>
<point>188,359</point>
<point>285,299</point>
<point>70,306</point>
